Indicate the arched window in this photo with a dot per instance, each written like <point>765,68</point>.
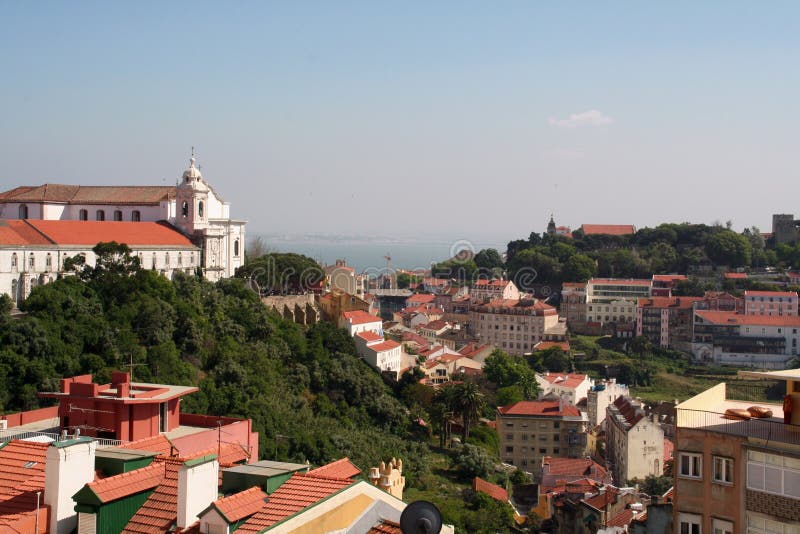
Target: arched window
<point>117,215</point>
<point>200,209</point>
<point>185,209</point>
<point>23,211</point>
<point>14,289</point>
<point>48,262</point>
<point>191,259</point>
<point>100,215</point>
<point>14,261</point>
<point>83,215</point>
<point>180,259</point>
<point>31,261</point>
<point>141,260</point>
<point>166,260</point>
<point>154,260</point>
<point>136,216</point>
<point>236,248</point>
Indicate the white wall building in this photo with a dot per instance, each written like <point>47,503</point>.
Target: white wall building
<point>600,397</point>
<point>515,325</point>
<point>359,321</point>
<point>192,206</point>
<point>383,355</point>
<point>634,442</point>
<point>569,386</point>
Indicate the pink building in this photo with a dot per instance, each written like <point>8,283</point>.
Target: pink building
<point>770,303</point>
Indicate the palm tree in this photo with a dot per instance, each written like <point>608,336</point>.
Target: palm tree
<point>469,402</point>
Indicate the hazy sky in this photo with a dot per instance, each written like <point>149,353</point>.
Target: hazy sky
<point>438,118</point>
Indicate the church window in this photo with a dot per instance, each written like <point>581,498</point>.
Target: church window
<point>200,209</point>
<point>23,212</point>
<point>236,248</point>
<point>14,261</point>
<point>166,260</point>
<point>180,259</point>
<point>32,261</point>
<point>154,260</point>
<point>83,215</point>
<point>48,262</point>
<point>14,288</point>
<point>100,215</point>
<point>136,216</point>
<point>185,209</point>
<point>117,215</point>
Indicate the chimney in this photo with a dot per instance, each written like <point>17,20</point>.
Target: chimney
<point>198,481</point>
<point>69,466</point>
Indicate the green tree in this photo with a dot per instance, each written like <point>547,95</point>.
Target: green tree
<point>473,461</point>
<point>729,248</point>
<point>579,268</point>
<point>488,259</point>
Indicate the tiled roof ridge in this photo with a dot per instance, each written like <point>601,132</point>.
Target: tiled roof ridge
<point>38,231</point>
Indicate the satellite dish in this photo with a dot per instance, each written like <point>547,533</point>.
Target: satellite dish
<point>421,517</point>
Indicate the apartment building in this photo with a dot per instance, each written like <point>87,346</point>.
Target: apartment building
<point>572,387</point>
<point>483,290</point>
<point>770,303</point>
<point>666,321</point>
<point>600,396</point>
<point>531,430</point>
<point>765,341</point>
<point>634,441</point>
<point>734,474</point>
<point>614,300</point>
<point>516,325</point>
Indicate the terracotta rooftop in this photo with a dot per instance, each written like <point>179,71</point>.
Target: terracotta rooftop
<point>630,413</point>
<point>118,486</point>
<point>240,505</point>
<point>540,408</point>
<point>492,490</point>
<point>420,298</point>
<point>735,276</point>
<point>89,233</point>
<point>384,526</point>
<point>620,281</point>
<point>160,510</point>
<point>435,325</point>
<point>544,345</point>
<point>342,468</point>
<point>361,317</point>
<point>668,277</point>
<point>369,336</point>
<point>574,467</point>
<point>567,380</point>
<point>89,194</point>
<point>608,229</point>
<point>490,283</point>
<point>386,345</point>
<point>621,519</point>
<point>599,501</point>
<point>731,318</point>
<point>22,466</point>
<point>790,294</point>
<point>668,302</point>
<point>299,492</point>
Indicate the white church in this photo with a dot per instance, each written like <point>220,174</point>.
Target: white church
<point>186,227</point>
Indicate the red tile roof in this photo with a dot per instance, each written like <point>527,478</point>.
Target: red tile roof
<point>731,318</point>
<point>490,283</point>
<point>89,194</point>
<point>160,510</point>
<point>158,444</point>
<point>567,380</point>
<point>342,468</point>
<point>735,276</point>
<point>621,519</point>
<point>574,467</point>
<point>669,277</point>
<point>540,408</point>
<point>240,505</point>
<point>369,336</point>
<point>631,413</point>
<point>420,298</point>
<point>118,486</point>
<point>770,294</point>
<point>492,490</point>
<point>361,317</point>
<point>296,494</point>
<point>668,302</point>
<point>89,233</point>
<point>599,502</point>
<point>384,526</point>
<point>386,345</point>
<point>19,484</point>
<point>18,232</point>
<point>608,229</point>
<point>435,325</point>
<point>544,345</point>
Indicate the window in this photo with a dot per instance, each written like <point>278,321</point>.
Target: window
<point>117,215</point>
<point>100,215</point>
<point>722,471</point>
<point>543,451</point>
<point>136,216</point>
<point>773,473</point>
<point>200,209</point>
<point>555,450</point>
<point>720,526</point>
<point>180,259</point>
<point>154,260</point>
<point>689,523</point>
<point>14,261</point>
<point>762,524</point>
<point>185,209</point>
<point>166,260</point>
<point>509,436</point>
<point>83,215</point>
<point>23,212</point>
<point>48,262</point>
<point>690,465</point>
<point>509,449</point>
<point>32,261</point>
<point>556,424</point>
<point>556,438</point>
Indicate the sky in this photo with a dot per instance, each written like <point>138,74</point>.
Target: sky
<point>459,119</point>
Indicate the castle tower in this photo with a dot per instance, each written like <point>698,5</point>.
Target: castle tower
<point>389,477</point>
<point>551,226</point>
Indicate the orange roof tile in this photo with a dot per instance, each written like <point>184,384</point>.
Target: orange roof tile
<point>599,501</point>
<point>621,519</point>
<point>567,380</point>
<point>19,232</point>
<point>158,444</point>
<point>574,467</point>
<point>118,486</point>
<point>608,229</point>
<point>386,345</point>
<point>90,194</point>
<point>369,335</point>
<point>669,277</point>
<point>18,483</point>
<point>731,318</point>
<point>160,510</point>
<point>735,276</point>
<point>492,490</point>
<point>545,408</point>
<point>544,345</point>
<point>341,468</point>
<point>93,232</point>
<point>361,317</point>
<point>435,325</point>
<point>384,526</point>
<point>299,492</point>
<point>240,505</point>
<point>421,298</point>
<point>668,302</point>
<point>621,281</point>
<point>790,294</point>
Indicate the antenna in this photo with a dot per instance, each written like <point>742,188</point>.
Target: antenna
<point>131,365</point>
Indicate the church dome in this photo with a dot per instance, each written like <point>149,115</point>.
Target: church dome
<point>192,177</point>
